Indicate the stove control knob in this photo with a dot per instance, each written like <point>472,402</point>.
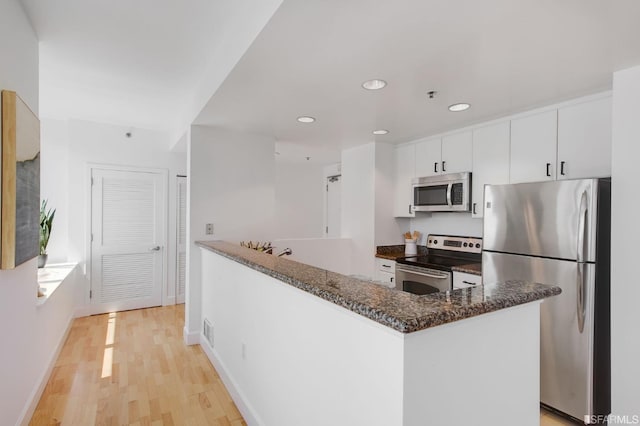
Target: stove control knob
<point>435,241</point>
<point>464,245</point>
<point>477,245</point>
<point>430,241</point>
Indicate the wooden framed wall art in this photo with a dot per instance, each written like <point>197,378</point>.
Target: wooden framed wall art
<point>20,188</point>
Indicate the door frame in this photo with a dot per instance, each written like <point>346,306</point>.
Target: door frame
<point>91,309</point>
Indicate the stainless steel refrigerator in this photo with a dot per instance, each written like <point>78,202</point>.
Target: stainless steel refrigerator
<point>559,233</point>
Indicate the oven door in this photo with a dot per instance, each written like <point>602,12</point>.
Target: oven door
<point>419,280</point>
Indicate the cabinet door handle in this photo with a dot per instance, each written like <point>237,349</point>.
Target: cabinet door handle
<point>409,208</point>
<point>474,208</point>
<point>443,168</point>
<point>468,282</point>
<point>549,169</point>
<point>386,266</point>
<point>562,168</point>
<point>435,167</point>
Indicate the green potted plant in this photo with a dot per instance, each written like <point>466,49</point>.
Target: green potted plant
<point>46,221</point>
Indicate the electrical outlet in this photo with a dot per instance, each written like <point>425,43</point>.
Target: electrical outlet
<point>209,229</point>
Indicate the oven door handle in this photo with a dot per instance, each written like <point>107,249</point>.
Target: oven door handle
<point>424,274</point>
<point>449,193</point>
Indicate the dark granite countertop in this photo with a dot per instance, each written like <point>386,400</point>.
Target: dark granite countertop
<point>396,309</point>
<point>394,252</point>
<point>472,268</point>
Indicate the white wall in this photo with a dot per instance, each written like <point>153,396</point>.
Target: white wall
<point>295,359</point>
<point>358,206</point>
<point>332,254</point>
<point>31,334</point>
<point>447,224</point>
<point>69,147</point>
<point>388,230</point>
<point>300,191</point>
<point>625,231</point>
<point>231,180</point>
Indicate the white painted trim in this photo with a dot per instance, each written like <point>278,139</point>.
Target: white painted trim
<point>36,393</point>
<point>169,300</point>
<point>245,408</point>
<point>164,172</point>
<point>522,114</point>
<point>190,338</point>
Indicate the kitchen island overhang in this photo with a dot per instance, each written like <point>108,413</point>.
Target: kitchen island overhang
<point>346,351</point>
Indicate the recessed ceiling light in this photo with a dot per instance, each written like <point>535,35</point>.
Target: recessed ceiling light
<point>306,119</point>
<point>380,132</point>
<point>374,84</point>
<point>459,107</point>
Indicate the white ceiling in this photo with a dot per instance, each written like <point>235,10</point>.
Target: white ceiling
<point>502,56</point>
<point>135,63</point>
<point>141,63</point>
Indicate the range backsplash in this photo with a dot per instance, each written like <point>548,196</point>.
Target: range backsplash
<point>445,223</point>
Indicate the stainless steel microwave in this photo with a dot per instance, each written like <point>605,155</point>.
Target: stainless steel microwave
<point>442,193</point>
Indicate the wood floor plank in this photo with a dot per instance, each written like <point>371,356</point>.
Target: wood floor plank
<point>132,368</point>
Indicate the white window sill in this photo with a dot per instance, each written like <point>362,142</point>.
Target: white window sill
<point>50,277</point>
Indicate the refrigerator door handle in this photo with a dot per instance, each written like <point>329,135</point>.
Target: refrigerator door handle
<point>449,193</point>
<point>581,296</point>
<point>582,227</point>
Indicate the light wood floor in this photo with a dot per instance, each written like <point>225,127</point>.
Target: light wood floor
<point>133,368</point>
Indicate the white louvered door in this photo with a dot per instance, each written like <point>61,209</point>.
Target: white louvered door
<point>181,238</point>
<point>128,225</point>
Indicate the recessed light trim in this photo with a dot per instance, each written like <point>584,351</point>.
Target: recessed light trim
<point>375,84</point>
<point>462,106</point>
<point>380,132</point>
<point>306,119</point>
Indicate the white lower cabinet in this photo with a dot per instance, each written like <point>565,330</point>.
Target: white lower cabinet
<point>464,280</point>
<point>386,272</point>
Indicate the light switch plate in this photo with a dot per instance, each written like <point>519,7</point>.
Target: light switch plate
<point>209,229</point>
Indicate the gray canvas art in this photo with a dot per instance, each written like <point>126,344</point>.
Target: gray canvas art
<point>27,209</point>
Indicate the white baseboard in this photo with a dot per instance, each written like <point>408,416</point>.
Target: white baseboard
<point>169,300</point>
<point>248,413</point>
<point>190,338</point>
<point>36,393</point>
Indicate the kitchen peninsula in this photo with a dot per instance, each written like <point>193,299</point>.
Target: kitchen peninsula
<point>297,344</point>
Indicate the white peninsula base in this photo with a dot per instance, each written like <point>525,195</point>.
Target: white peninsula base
<point>291,358</point>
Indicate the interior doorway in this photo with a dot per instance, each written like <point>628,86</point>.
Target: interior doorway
<point>128,238</point>
<point>334,206</point>
<point>181,237</point>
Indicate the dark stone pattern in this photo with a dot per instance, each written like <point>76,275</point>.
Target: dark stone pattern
<point>473,268</point>
<point>394,252</point>
<point>398,310</point>
<point>27,209</point>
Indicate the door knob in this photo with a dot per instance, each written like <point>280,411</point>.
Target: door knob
<point>156,248</point>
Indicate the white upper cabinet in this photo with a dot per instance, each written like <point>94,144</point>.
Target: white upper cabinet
<point>533,147</point>
<point>428,157</point>
<point>449,154</point>
<point>584,140</point>
<point>404,170</point>
<point>490,162</point>
<point>457,153</point>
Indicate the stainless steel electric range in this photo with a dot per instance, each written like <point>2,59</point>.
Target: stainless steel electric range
<point>431,273</point>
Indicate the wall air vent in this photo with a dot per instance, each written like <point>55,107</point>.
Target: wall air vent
<point>207,330</point>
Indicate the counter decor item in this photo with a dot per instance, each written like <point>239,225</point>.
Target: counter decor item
<point>265,247</point>
<point>46,223</point>
<point>411,243</point>
<point>20,180</point>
